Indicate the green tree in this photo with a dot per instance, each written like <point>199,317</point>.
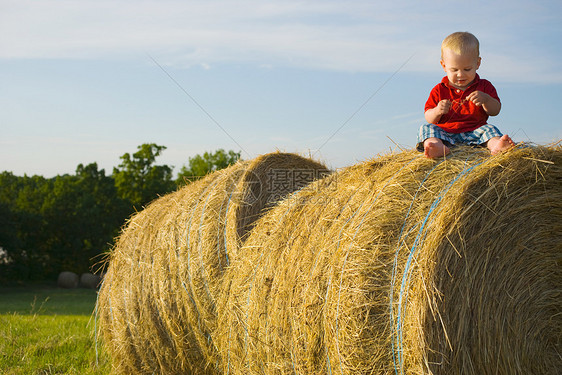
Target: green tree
<point>64,223</point>
<point>23,235</point>
<point>8,232</point>
<point>8,226</point>
<point>105,207</point>
<point>201,165</point>
<point>138,180</point>
<point>82,214</point>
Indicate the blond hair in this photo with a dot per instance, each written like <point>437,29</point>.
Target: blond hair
<point>461,42</point>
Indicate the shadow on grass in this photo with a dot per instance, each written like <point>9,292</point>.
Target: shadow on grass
<point>46,300</point>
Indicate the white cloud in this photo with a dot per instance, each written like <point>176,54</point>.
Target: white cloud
<point>335,35</point>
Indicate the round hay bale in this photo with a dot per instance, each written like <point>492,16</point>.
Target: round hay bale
<point>157,303</point>
<point>67,280</point>
<point>405,265</point>
<point>89,281</point>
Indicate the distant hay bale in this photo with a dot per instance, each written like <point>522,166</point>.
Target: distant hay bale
<point>157,303</point>
<point>67,280</point>
<point>405,265</point>
<point>89,281</point>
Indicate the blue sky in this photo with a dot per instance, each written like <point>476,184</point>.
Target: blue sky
<point>86,81</point>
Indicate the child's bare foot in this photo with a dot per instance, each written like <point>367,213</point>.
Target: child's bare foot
<point>435,148</point>
<point>497,144</point>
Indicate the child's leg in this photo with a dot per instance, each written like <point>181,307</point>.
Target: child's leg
<point>433,141</point>
<point>499,144</point>
<point>434,148</point>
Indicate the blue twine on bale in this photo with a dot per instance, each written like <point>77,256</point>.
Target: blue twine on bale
<point>207,191</point>
<point>365,215</point>
<point>202,265</point>
<point>224,233</point>
<point>225,222</point>
<point>395,266</point>
<point>397,334</point>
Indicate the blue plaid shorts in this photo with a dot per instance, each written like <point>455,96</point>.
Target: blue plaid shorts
<point>476,137</point>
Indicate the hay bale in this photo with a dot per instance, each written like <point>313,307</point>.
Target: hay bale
<point>157,303</point>
<point>67,280</point>
<point>404,265</point>
<point>89,281</point>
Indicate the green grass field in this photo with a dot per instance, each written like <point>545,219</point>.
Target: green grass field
<point>46,330</point>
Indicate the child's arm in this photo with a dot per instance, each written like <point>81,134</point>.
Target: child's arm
<point>433,115</point>
<point>490,105</point>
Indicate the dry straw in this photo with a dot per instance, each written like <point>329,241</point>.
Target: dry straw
<point>404,265</point>
<point>157,303</point>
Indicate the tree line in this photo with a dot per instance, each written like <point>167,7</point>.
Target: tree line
<point>68,222</point>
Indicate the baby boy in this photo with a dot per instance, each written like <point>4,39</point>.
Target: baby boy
<point>458,107</point>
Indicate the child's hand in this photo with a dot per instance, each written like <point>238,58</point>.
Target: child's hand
<point>433,115</point>
<point>443,107</point>
<point>490,105</point>
<point>479,98</point>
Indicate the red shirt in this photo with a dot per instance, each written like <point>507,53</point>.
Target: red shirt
<point>464,116</point>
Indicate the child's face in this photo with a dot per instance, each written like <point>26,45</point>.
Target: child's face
<point>460,69</point>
